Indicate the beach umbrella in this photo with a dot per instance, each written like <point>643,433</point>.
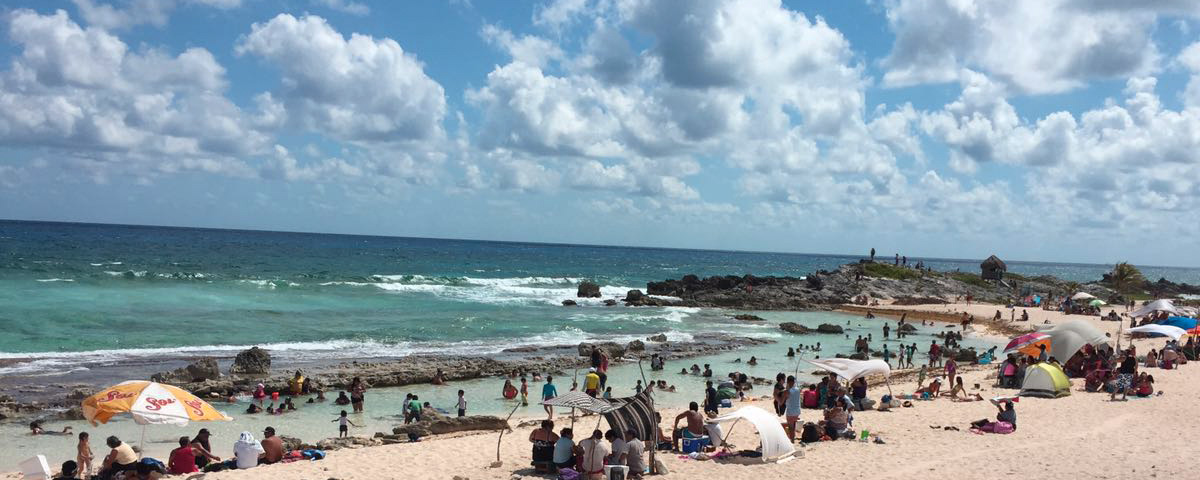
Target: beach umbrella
<point>1082,296</point>
<point>580,400</point>
<point>149,403</point>
<point>1097,302</point>
<point>1028,343</point>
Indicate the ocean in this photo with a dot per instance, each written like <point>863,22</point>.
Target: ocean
<point>103,303</point>
<point>74,293</point>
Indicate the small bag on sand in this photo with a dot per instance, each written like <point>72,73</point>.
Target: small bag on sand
<point>567,474</point>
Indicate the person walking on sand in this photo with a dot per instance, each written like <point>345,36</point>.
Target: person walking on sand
<point>792,398</point>
<point>951,371</point>
<point>549,391</point>
<point>84,457</point>
<point>343,425</point>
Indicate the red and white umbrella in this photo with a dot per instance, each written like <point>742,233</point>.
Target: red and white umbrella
<point>1028,343</point>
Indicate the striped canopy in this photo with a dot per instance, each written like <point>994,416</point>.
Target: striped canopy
<point>580,400</point>
<point>634,413</point>
<point>149,403</point>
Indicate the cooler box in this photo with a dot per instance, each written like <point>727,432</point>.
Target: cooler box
<point>694,444</point>
<point>726,403</point>
<point>616,472</point>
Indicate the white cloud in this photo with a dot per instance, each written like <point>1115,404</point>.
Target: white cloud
<point>131,13</point>
<point>81,91</point>
<point>345,6</point>
<point>357,89</point>
<point>1036,46</point>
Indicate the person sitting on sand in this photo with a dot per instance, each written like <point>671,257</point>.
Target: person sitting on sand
<point>695,425</point>
<point>836,420</point>
<point>246,451</point>
<point>930,391</point>
<point>272,447</point>
<point>565,450</point>
<point>342,399</point>
<point>1145,385</point>
<point>543,440</point>
<point>959,393</point>
<point>594,453</point>
<point>183,459</point>
<point>120,459</point>
<point>69,471</point>
<point>35,428</point>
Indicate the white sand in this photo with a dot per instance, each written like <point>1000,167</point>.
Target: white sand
<point>1080,436</point>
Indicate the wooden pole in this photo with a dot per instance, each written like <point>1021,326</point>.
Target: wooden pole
<point>501,437</point>
<point>654,417</point>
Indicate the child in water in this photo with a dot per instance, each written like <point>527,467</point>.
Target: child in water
<point>343,421</point>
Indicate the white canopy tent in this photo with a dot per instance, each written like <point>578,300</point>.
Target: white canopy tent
<point>1082,296</point>
<point>851,369</point>
<point>775,443</point>
<point>1163,305</point>
<point>1168,330</point>
<point>1067,338</point>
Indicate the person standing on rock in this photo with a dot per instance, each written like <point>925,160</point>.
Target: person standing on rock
<point>872,254</point>
<point>358,389</point>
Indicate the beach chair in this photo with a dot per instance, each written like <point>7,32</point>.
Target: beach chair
<point>35,468</point>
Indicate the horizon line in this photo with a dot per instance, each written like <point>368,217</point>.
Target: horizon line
<point>559,244</point>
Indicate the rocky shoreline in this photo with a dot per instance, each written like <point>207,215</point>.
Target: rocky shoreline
<point>204,378</point>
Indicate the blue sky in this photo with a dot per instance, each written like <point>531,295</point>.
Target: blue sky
<point>1060,130</point>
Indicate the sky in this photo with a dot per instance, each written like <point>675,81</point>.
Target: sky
<point>1053,130</point>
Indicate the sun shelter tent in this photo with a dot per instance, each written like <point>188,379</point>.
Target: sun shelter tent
<point>636,413</point>
<point>580,400</point>
<point>1153,330</point>
<point>1082,296</point>
<point>1156,306</point>
<point>992,269</point>
<point>774,440</point>
<point>1067,338</point>
<point>1185,323</point>
<point>1045,380</point>
<point>851,369</point>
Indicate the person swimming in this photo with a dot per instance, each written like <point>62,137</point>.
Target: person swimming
<point>35,428</point>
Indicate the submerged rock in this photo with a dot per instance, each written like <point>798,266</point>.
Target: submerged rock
<point>829,328</point>
<point>746,317</point>
<point>569,303</point>
<point>793,327</point>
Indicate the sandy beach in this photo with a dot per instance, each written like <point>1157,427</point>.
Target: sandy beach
<point>1082,435</point>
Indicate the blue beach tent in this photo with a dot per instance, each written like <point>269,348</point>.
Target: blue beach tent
<point>1181,322</point>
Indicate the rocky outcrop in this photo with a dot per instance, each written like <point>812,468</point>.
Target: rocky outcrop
<point>796,328</point>
<point>569,303</point>
<point>967,355</point>
<point>745,317</point>
<point>336,443</point>
<point>829,328</point>
<point>612,349</point>
<point>197,371</point>
<point>610,303</point>
<point>254,361</point>
<point>634,297</point>
<point>588,290</point>
<point>635,346</point>
<point>662,337</point>
<point>910,300</point>
<point>441,425</point>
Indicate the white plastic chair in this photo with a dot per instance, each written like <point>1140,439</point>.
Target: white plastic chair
<point>35,468</point>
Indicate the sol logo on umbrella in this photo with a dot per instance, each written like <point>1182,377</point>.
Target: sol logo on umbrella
<point>197,406</point>
<point>116,395</point>
<point>158,403</point>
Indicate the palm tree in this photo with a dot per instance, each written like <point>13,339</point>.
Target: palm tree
<point>1126,278</point>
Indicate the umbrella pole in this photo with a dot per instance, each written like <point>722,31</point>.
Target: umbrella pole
<point>142,442</point>
<point>654,433</point>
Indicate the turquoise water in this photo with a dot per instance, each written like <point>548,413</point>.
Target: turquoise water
<point>73,295</point>
<point>311,422</point>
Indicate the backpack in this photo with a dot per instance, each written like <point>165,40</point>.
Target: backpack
<point>567,474</point>
<point>810,433</point>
